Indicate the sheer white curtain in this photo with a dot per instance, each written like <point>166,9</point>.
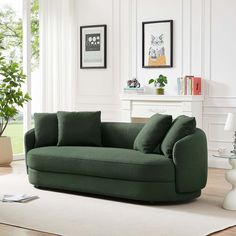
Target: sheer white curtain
<point>58,48</point>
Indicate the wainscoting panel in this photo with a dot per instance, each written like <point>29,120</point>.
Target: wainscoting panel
<point>218,62</point>
<point>99,89</point>
<point>204,45</point>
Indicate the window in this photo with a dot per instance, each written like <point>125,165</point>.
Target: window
<point>35,73</point>
<point>11,28</point>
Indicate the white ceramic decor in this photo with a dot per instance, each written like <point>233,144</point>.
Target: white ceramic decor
<point>230,199</point>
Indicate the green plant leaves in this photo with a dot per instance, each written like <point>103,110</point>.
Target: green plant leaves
<point>11,33</point>
<point>161,81</point>
<point>151,81</point>
<point>11,95</point>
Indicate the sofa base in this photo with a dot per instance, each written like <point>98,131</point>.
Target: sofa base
<point>135,190</point>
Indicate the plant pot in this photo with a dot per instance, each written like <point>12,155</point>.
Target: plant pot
<point>5,151</point>
<point>160,91</point>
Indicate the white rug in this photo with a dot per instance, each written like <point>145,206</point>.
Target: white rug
<point>67,214</point>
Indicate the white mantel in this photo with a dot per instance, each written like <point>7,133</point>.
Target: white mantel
<point>136,106</point>
<point>153,97</point>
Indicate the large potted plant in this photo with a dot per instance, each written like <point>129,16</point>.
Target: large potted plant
<point>160,83</point>
<point>11,99</point>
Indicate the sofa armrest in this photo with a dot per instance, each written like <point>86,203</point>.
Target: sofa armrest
<point>29,140</point>
<point>191,160</point>
<point>29,143</point>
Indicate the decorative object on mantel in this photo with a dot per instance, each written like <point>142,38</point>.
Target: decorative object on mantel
<point>189,85</point>
<point>180,86</point>
<point>93,48</point>
<point>134,90</point>
<point>133,83</point>
<point>157,44</point>
<point>133,86</point>
<point>159,82</point>
<point>230,125</point>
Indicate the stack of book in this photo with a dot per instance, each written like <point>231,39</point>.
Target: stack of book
<point>133,90</point>
<point>189,85</point>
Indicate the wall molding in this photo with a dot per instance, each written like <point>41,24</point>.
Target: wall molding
<point>133,42</point>
<point>116,40</point>
<point>218,163</point>
<point>208,37</point>
<point>193,37</point>
<point>186,12</point>
<point>210,139</point>
<point>18,157</point>
<point>106,96</point>
<point>215,108</point>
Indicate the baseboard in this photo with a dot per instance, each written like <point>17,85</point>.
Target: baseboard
<point>219,163</point>
<point>18,157</point>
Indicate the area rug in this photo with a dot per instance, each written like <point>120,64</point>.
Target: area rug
<point>77,215</point>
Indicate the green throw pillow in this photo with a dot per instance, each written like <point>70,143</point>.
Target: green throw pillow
<point>79,128</point>
<point>152,133</point>
<point>181,127</point>
<point>46,129</point>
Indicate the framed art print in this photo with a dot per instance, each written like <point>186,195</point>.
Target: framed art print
<point>93,46</point>
<point>157,43</point>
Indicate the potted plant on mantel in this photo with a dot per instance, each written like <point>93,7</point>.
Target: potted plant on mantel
<point>160,83</point>
<point>11,98</point>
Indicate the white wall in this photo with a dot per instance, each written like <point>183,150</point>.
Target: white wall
<point>218,62</point>
<point>57,55</point>
<point>151,10</point>
<point>99,89</point>
<point>204,45</point>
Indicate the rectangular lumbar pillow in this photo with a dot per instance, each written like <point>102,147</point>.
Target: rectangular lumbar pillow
<point>46,129</point>
<point>79,128</point>
<point>181,127</point>
<point>152,133</point>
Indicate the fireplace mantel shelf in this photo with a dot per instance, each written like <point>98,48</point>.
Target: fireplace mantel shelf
<point>143,106</point>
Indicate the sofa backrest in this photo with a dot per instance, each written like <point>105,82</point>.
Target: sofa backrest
<point>113,134</point>
<point>120,135</point>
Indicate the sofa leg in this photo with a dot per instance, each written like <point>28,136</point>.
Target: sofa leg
<point>152,202</point>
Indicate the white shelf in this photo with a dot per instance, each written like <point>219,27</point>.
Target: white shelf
<point>143,106</point>
<point>153,97</point>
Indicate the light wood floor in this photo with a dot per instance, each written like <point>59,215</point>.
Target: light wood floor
<point>216,186</point>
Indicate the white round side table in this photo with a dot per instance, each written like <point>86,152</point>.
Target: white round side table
<point>230,175</point>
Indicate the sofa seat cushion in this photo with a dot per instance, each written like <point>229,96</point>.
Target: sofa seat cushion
<point>116,163</point>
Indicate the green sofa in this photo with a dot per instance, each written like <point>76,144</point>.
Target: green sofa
<point>116,169</point>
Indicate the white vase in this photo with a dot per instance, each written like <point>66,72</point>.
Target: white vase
<point>6,154</point>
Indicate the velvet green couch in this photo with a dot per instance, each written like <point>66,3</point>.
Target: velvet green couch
<point>116,169</point>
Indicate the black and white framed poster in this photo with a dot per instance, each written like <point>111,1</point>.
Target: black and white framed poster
<point>93,46</point>
<point>157,43</point>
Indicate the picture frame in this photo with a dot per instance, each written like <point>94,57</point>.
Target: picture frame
<point>93,47</point>
<point>157,44</point>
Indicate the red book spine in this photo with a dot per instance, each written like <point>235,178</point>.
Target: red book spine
<point>196,86</point>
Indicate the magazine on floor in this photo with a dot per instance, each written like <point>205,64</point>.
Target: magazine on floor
<point>17,198</point>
